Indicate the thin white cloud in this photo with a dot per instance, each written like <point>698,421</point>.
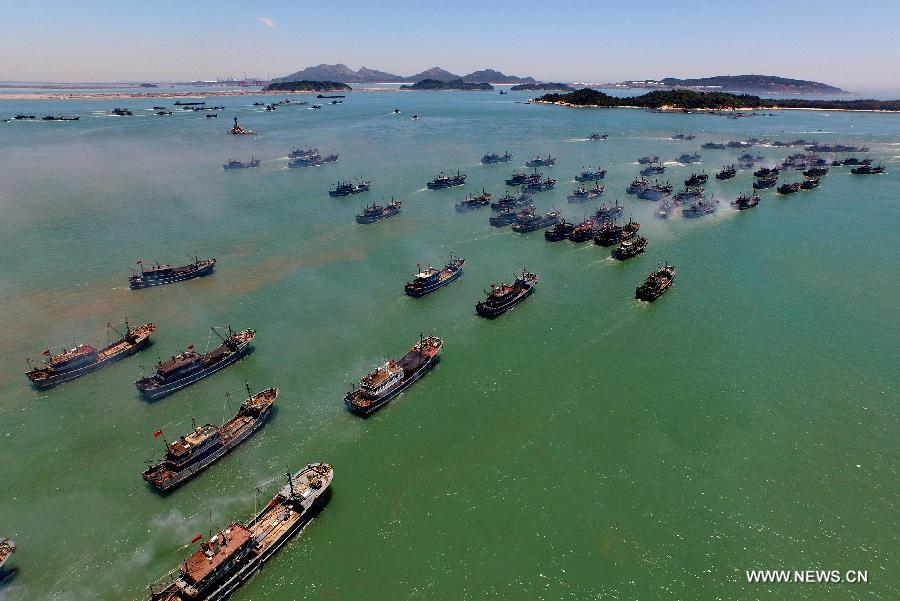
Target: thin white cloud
<point>266,21</point>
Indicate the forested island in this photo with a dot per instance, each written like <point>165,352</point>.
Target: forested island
<point>306,86</point>
<point>456,84</point>
<point>543,87</point>
<point>689,99</point>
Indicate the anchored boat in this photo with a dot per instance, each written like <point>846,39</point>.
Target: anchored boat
<point>375,212</point>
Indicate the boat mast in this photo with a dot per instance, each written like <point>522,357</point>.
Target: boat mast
<point>290,483</point>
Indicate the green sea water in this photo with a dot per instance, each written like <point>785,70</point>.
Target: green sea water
<point>582,446</point>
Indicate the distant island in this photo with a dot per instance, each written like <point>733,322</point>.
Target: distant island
<point>306,85</point>
<point>543,87</point>
<point>345,74</point>
<point>693,100</point>
<point>456,84</point>
<point>736,83</point>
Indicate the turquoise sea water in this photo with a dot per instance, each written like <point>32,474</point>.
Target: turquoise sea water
<point>582,446</point>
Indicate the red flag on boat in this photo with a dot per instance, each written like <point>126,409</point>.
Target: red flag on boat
<point>157,434</point>
<point>138,261</point>
<point>196,538</point>
<point>190,347</point>
<point>46,352</point>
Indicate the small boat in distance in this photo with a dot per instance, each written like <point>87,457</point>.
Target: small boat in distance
<point>583,194</point>
<point>474,201</point>
<point>656,283</point>
<point>727,172</point>
<point>391,378</point>
<point>348,188</point>
<point>789,188</point>
<point>595,137</point>
<point>561,231</point>
<point>683,136</point>
<point>608,233</point>
<point>233,164</point>
<point>689,158</point>
<point>191,454</point>
<point>503,297</point>
<point>867,170</point>
<point>696,179</point>
<point>119,112</point>
<point>232,555</point>
<point>444,181</point>
<point>745,201</point>
<point>810,183</point>
<point>160,274</point>
<point>511,215</point>
<point>539,161</point>
<point>375,212</point>
<point>653,169</point>
<point>647,159</point>
<point>590,175</point>
<point>430,279</point>
<point>237,130</point>
<point>492,158</point>
<point>540,186</point>
<point>534,222</point>
<point>84,358</point>
<point>700,208</point>
<point>188,366</point>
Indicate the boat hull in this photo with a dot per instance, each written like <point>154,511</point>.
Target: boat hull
<point>492,312</point>
<point>416,292</point>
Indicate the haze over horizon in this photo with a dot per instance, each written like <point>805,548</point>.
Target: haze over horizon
<point>831,42</point>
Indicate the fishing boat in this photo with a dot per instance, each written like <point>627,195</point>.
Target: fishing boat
<point>712,146</point>
<point>726,172</point>
<point>160,274</point>
<point>234,554</point>
<point>609,213</point>
<point>687,195</point>
<point>539,161</point>
<point>84,358</point>
<point>60,118</point>
<point>119,112</point>
<point>608,233</point>
<point>696,179</point>
<point>206,444</point>
<point>233,164</point>
<point>745,201</point>
<point>647,159</point>
<point>309,157</point>
<point>653,169</point>
<point>629,248</point>
<point>665,210</point>
<point>683,136</point>
<point>505,296</point>
<point>7,548</point>
<point>532,222</point>
<point>376,212</point>
<point>819,147</point>
<point>540,186</point>
<point>765,182</point>
<point>347,188</point>
<point>561,231</point>
<point>492,158</point>
<point>510,216</point>
<point>867,170</point>
<point>655,191</point>
<point>816,171</point>
<point>590,175</point>
<point>739,144</point>
<point>584,231</point>
<point>700,208</point>
<point>189,366</point>
<point>430,279</point>
<point>508,201</point>
<point>595,137</point>
<point>809,183</point>
<point>474,201</point>
<point>689,158</point>
<point>446,181</point>
<point>519,178</point>
<point>237,130</point>
<point>637,185</point>
<point>766,172</point>
<point>789,188</point>
<point>656,283</point>
<point>583,194</point>
<point>391,378</point>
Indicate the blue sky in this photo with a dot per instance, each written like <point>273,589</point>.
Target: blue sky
<point>850,44</point>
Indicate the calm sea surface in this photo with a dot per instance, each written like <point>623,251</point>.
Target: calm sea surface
<point>582,446</point>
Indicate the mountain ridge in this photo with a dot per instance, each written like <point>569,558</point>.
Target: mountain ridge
<point>342,73</point>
